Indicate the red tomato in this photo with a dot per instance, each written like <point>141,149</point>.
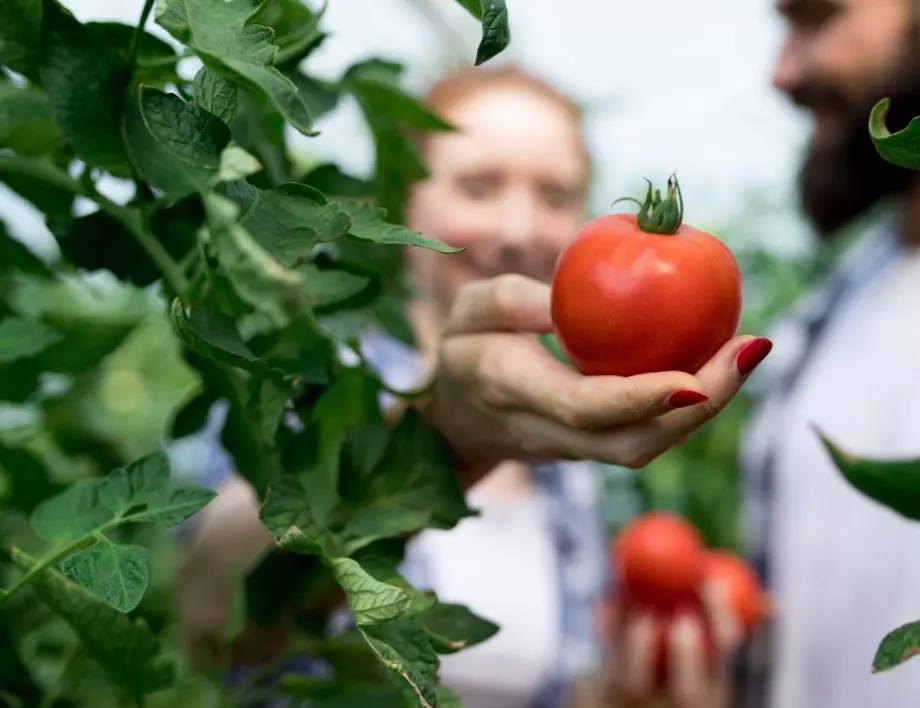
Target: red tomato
<point>745,595</point>
<point>660,559</point>
<point>638,294</point>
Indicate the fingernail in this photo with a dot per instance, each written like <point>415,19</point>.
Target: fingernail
<point>686,397</point>
<point>752,354</point>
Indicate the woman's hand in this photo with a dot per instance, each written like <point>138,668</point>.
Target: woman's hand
<point>497,394</point>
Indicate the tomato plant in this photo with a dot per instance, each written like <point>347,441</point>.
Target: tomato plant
<point>225,277</point>
<point>634,294</point>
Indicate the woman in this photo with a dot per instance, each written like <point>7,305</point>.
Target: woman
<point>510,187</point>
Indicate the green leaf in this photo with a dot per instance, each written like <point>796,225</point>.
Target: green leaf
<point>451,628</point>
<point>20,36</point>
<point>85,77</point>
<point>369,600</point>
<point>288,513</point>
<point>215,94</point>
<point>374,523</point>
<point>901,148</point>
<point>322,96</point>
<point>496,34</point>
<point>220,33</point>
<point>173,505</point>
<point>22,338</point>
<point>267,408</point>
<point>894,483</point>
<point>368,224</point>
<point>176,146</point>
<point>331,286</point>
<point>115,574</point>
<point>26,124</point>
<point>898,646</point>
<point>288,220</point>
<point>331,181</point>
<point>417,473</point>
<point>384,567</point>
<point>125,648</point>
<point>447,698</point>
<point>402,647</point>
<point>71,514</point>
<point>156,59</point>
<point>214,334</point>
<point>15,255</point>
<point>376,84</point>
<point>257,278</point>
<point>135,484</point>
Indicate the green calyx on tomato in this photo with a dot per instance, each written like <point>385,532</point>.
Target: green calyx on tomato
<point>657,215</point>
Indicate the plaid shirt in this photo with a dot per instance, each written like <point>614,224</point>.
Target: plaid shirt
<point>796,336</point>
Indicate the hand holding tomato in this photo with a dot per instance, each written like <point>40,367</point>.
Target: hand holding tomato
<point>679,612</point>
<point>498,394</point>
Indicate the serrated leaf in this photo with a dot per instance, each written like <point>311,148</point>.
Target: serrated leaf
<point>368,224</point>
<point>384,568</point>
<point>898,646</point>
<point>266,409</point>
<point>289,515</point>
<point>288,220</point>
<point>85,77</point>
<point>20,36</point>
<point>115,574</point>
<point>257,278</point>
<point>330,286</point>
<point>902,147</point>
<point>894,483</point>
<point>135,484</point>
<point>496,34</point>
<point>474,7</point>
<point>369,600</point>
<point>212,333</point>
<point>174,505</point>
<point>156,60</point>
<point>125,648</point>
<point>447,698</point>
<point>71,514</point>
<point>215,94</point>
<point>321,96</point>
<point>417,473</point>
<point>451,627</point>
<point>221,34</point>
<point>331,181</point>
<point>21,338</point>
<point>402,647</point>
<point>374,523</point>
<point>176,146</point>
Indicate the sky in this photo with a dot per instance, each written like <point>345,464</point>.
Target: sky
<point>668,85</point>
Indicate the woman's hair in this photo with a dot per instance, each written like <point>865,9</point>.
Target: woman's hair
<point>455,87</point>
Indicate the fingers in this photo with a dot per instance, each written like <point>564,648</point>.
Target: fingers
<point>518,374</point>
<point>637,656</point>
<point>687,666</point>
<point>506,303</point>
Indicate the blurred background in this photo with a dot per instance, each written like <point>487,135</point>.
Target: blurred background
<point>666,86</point>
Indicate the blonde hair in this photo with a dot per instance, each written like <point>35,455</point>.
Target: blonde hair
<point>454,88</point>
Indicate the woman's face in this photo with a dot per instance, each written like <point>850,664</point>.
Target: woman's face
<point>509,187</point>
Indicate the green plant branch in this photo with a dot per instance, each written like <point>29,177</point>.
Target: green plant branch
<point>87,540</point>
<point>135,40</point>
<point>130,218</point>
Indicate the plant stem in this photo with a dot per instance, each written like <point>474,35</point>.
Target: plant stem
<point>135,40</point>
<point>45,563</point>
<point>130,218</point>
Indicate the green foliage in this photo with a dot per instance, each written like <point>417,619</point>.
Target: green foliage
<point>226,277</point>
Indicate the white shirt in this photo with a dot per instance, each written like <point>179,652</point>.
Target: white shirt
<point>846,570</point>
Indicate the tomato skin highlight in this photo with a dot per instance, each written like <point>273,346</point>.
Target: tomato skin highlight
<point>627,302</point>
<point>660,557</point>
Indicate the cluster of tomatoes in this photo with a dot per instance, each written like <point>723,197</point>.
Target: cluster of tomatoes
<point>663,565</point>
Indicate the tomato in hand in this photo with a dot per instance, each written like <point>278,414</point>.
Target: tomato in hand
<point>744,594</point>
<point>635,294</point>
<point>660,559</point>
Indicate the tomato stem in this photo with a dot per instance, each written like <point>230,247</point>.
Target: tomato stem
<point>657,215</point>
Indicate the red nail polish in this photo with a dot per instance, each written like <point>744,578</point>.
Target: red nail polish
<point>752,354</point>
<point>686,397</point>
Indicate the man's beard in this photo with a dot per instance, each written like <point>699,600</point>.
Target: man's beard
<point>840,181</point>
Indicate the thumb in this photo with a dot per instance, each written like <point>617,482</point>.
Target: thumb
<point>506,303</point>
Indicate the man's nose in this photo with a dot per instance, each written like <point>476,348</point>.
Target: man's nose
<point>790,70</point>
<point>519,221</point>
